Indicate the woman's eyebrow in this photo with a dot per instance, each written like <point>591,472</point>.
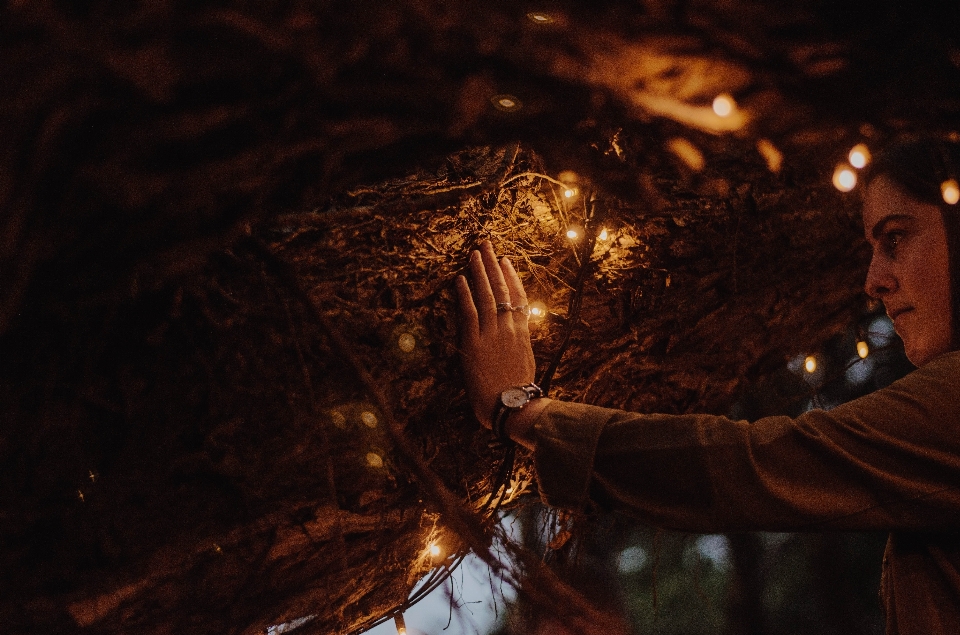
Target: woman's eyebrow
<point>881,225</point>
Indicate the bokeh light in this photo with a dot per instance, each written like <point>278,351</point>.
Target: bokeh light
<point>844,178</point>
<point>723,105</point>
<point>859,156</point>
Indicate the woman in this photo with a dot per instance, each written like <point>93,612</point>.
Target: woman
<point>889,460</point>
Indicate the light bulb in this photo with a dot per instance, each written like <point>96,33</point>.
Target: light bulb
<point>538,311</point>
<point>950,191</point>
<point>603,234</point>
<point>506,103</point>
<point>570,192</point>
<point>723,105</point>
<point>435,550</point>
<point>844,178</point>
<point>573,233</point>
<point>810,364</point>
<point>859,156</point>
<point>374,460</point>
<point>539,17</point>
<point>406,342</point>
<point>369,419</point>
<point>863,350</point>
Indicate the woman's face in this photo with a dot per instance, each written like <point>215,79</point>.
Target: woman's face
<point>910,269</point>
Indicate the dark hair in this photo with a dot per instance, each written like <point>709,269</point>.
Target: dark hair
<point>920,167</point>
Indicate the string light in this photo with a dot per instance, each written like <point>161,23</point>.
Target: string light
<point>374,460</point>
<point>506,103</point>
<point>574,233</point>
<point>950,191</point>
<point>810,364</point>
<point>434,550</point>
<point>539,17</point>
<point>723,105</point>
<point>406,342</point>
<point>603,234</point>
<point>570,192</point>
<point>538,311</point>
<point>863,350</point>
<point>369,419</point>
<point>844,178</point>
<point>338,419</point>
<point>401,625</point>
<point>859,156</point>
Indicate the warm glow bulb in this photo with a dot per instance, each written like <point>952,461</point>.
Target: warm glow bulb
<point>810,364</point>
<point>859,156</point>
<point>569,193</point>
<point>844,178</point>
<point>435,550</point>
<point>603,234</point>
<point>723,105</point>
<point>573,234</point>
<point>863,350</point>
<point>374,460</point>
<point>950,191</point>
<point>407,342</point>
<point>540,17</point>
<point>537,311</point>
<point>369,419</point>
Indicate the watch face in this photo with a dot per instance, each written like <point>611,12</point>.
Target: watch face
<point>514,397</point>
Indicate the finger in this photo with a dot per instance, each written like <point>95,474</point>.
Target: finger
<point>518,295</point>
<point>485,303</point>
<point>469,322</point>
<point>497,283</point>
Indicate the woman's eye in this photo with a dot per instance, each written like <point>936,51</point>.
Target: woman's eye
<point>891,241</point>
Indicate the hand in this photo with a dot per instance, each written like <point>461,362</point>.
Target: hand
<point>495,346</point>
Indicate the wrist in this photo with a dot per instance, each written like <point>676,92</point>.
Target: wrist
<point>520,423</point>
<point>509,402</point>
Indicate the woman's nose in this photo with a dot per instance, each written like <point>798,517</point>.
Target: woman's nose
<point>880,279</point>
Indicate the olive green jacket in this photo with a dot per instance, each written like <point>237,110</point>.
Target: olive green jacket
<point>887,461</point>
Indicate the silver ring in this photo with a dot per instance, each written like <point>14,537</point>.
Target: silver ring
<point>523,308</point>
<point>503,307</point>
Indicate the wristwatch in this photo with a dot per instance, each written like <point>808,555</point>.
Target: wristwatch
<point>511,400</point>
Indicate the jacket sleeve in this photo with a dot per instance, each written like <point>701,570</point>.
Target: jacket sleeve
<point>889,460</point>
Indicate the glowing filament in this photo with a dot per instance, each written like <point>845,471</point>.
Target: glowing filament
<point>723,105</point>
<point>859,156</point>
<point>810,364</point>
<point>407,342</point>
<point>863,350</point>
<point>844,178</point>
<point>950,191</point>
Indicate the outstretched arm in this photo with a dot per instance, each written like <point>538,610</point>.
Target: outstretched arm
<point>495,344</point>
